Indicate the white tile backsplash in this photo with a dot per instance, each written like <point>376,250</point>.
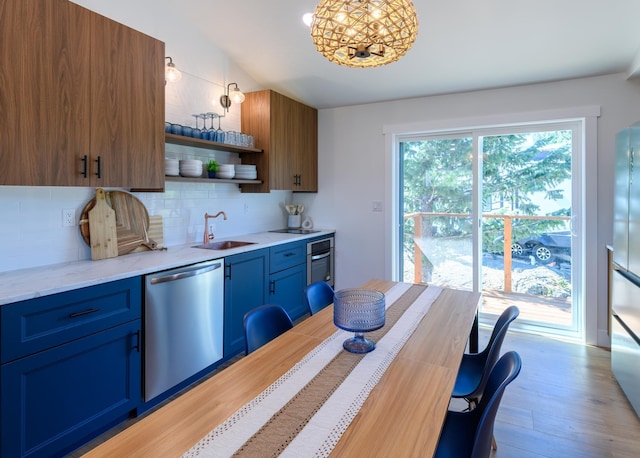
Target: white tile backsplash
<point>32,234</point>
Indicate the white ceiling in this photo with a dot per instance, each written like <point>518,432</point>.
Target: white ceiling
<point>462,45</point>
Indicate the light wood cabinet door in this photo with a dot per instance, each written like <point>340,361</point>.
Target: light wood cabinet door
<point>127,93</point>
<point>287,131</point>
<point>44,92</point>
<point>79,94</point>
<point>307,158</point>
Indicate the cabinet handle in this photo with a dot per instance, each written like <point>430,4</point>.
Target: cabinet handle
<point>136,341</point>
<point>85,166</point>
<point>227,273</point>
<point>99,161</point>
<point>272,287</point>
<point>288,255</point>
<point>84,312</point>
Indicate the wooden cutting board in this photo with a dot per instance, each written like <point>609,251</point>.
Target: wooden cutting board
<point>132,222</point>
<point>155,234</point>
<point>102,224</point>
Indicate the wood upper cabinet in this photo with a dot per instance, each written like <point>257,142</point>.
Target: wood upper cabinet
<point>287,131</point>
<point>75,84</point>
<point>127,94</point>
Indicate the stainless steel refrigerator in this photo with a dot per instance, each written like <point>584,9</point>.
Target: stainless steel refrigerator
<point>625,322</point>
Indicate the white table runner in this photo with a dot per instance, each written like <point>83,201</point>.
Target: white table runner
<point>325,428</point>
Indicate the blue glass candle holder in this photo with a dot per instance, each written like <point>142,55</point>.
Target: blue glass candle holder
<point>359,311</point>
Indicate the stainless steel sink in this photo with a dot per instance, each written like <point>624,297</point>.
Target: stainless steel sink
<point>226,245</point>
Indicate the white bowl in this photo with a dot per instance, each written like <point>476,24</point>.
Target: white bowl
<point>190,174</point>
<point>246,177</point>
<point>193,162</point>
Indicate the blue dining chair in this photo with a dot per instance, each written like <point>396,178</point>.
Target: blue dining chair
<point>475,367</point>
<point>319,295</point>
<point>469,434</point>
<point>263,324</point>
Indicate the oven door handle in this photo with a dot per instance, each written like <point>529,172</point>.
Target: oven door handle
<point>321,256</point>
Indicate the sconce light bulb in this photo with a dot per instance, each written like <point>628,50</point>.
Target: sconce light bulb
<point>171,73</point>
<point>236,95</point>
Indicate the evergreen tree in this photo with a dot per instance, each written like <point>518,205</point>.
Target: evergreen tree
<point>437,178</point>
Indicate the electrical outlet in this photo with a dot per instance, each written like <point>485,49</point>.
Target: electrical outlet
<point>376,206</point>
<point>68,217</point>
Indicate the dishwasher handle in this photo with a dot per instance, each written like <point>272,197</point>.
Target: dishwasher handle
<point>197,270</point>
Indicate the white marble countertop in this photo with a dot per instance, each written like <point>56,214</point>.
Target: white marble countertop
<point>19,285</point>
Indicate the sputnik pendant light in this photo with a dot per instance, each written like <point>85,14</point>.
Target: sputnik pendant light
<point>361,33</point>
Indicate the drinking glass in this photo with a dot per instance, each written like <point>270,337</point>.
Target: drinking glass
<point>211,133</point>
<point>204,134</point>
<point>219,133</point>
<point>196,131</point>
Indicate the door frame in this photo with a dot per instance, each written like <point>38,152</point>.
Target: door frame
<point>584,172</point>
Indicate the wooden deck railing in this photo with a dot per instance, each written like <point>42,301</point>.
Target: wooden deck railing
<point>507,238</point>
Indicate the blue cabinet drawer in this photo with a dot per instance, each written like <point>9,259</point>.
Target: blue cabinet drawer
<point>38,324</point>
<point>287,255</point>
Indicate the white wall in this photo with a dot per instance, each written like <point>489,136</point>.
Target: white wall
<point>352,164</point>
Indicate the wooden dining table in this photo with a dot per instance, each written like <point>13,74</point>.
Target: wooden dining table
<point>402,415</point>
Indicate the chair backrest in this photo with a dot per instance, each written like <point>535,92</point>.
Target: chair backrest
<point>491,353</point>
<point>502,325</point>
<point>263,324</point>
<point>503,373</point>
<point>319,295</point>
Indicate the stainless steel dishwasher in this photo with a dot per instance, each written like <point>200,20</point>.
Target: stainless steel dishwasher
<point>183,324</point>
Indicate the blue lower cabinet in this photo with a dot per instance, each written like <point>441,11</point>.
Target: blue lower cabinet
<point>55,400</point>
<point>71,367</point>
<point>286,288</point>
<point>245,287</point>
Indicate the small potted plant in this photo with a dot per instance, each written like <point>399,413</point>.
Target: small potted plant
<point>212,168</point>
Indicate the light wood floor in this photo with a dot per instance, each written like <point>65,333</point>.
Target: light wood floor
<point>564,403</point>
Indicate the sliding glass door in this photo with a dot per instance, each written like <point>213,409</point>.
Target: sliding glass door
<point>514,185</point>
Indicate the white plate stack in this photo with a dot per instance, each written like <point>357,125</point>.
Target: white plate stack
<point>171,167</point>
<point>190,168</point>
<point>225,171</point>
<point>246,172</point>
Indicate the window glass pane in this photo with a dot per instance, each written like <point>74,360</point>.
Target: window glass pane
<point>437,202</point>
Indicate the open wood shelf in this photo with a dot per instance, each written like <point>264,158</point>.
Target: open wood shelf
<point>210,180</point>
<point>198,143</point>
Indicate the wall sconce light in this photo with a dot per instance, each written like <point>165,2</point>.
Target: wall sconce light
<point>236,96</point>
<point>171,73</point>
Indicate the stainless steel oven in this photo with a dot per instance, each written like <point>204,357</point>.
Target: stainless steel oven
<point>320,262</point>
